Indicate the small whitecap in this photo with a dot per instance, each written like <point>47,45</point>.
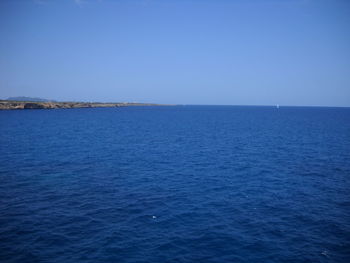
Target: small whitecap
<point>324,253</point>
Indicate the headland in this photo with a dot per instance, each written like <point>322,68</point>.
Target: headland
<point>20,105</point>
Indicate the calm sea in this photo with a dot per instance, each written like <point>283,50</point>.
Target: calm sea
<point>175,184</point>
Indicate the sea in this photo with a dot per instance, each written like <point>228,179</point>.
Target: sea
<point>175,184</point>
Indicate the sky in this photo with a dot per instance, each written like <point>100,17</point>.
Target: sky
<point>218,52</point>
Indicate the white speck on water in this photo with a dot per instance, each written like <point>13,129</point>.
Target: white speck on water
<point>324,253</point>
<point>154,217</point>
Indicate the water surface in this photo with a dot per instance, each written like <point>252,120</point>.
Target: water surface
<point>175,184</point>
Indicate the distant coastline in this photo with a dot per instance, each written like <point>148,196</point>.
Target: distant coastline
<point>21,105</point>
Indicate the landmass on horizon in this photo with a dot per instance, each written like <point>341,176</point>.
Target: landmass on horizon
<point>19,103</point>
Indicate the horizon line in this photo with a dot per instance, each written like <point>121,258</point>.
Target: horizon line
<point>180,104</point>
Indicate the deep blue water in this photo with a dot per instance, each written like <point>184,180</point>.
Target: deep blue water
<point>175,184</point>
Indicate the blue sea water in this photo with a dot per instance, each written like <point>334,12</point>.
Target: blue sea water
<point>175,184</point>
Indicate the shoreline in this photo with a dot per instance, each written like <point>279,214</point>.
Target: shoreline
<point>23,105</point>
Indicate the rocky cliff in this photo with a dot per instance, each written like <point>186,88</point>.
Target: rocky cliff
<point>13,105</point>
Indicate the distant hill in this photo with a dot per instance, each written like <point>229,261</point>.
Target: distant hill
<point>22,98</point>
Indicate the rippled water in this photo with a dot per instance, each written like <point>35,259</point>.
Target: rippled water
<point>175,184</point>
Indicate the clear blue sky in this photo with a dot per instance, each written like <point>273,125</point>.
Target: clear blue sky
<point>255,52</point>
